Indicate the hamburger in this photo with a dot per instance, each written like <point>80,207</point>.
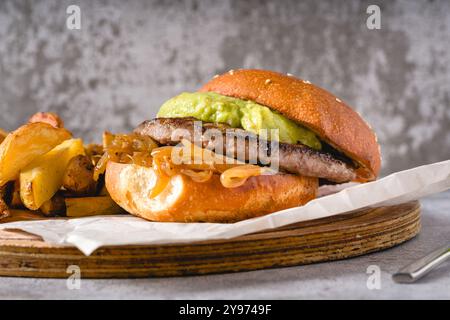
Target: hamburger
<point>319,140</point>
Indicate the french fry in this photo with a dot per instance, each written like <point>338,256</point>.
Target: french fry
<point>91,206</point>
<point>42,178</point>
<point>24,145</point>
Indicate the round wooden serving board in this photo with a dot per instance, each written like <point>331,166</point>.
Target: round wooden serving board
<point>333,238</point>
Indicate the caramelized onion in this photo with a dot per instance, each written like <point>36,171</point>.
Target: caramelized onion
<point>200,164</point>
<point>161,183</point>
<point>197,176</point>
<point>167,167</point>
<point>100,167</point>
<point>208,160</point>
<point>160,164</point>
<point>162,151</point>
<point>237,176</point>
<point>197,163</point>
<point>125,148</point>
<point>143,159</point>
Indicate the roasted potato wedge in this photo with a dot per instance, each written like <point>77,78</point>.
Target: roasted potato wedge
<point>79,176</point>
<point>24,145</point>
<point>91,206</point>
<point>47,117</point>
<point>42,178</point>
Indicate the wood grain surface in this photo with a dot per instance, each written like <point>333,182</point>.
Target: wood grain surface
<point>333,238</point>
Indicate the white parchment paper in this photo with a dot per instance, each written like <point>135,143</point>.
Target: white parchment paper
<point>90,233</point>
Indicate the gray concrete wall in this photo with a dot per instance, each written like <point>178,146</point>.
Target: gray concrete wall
<point>130,56</point>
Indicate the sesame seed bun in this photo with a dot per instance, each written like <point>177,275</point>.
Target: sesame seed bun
<point>332,120</point>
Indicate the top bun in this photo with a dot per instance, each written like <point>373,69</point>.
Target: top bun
<point>315,108</point>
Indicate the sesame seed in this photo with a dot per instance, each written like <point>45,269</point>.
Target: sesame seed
<point>338,100</point>
<point>215,76</point>
<point>231,72</point>
<point>267,81</point>
<point>289,74</point>
<point>306,81</point>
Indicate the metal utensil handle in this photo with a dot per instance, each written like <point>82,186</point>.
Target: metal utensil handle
<point>423,266</point>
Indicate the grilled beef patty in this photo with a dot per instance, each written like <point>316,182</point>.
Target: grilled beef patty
<point>293,158</point>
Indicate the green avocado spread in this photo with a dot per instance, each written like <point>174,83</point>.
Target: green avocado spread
<point>248,115</point>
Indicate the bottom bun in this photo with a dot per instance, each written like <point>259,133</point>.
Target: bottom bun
<point>184,200</point>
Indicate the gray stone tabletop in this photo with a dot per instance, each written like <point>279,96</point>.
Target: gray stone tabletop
<point>346,279</point>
